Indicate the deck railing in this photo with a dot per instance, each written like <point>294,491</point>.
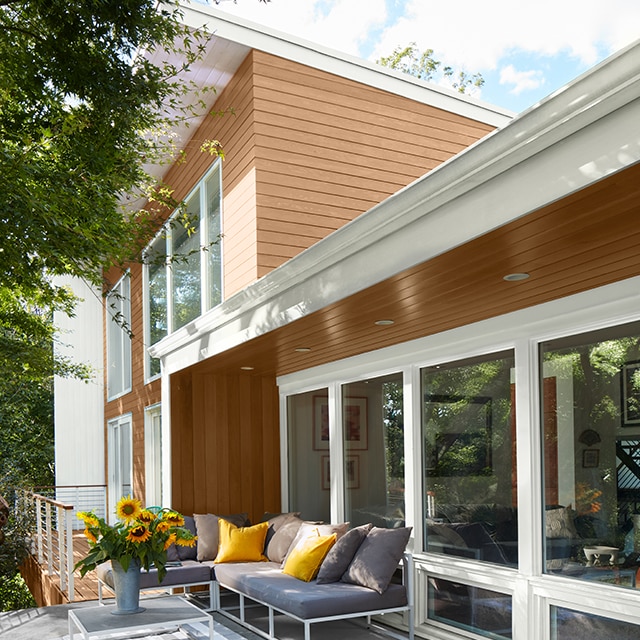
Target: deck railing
<point>55,521</point>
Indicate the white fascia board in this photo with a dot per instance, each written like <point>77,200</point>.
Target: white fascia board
<point>580,135</point>
<point>255,36</point>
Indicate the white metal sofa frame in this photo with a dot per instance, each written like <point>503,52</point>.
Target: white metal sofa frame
<point>407,580</point>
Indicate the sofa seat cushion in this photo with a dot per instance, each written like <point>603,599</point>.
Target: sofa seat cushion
<point>189,572</point>
<point>266,583</point>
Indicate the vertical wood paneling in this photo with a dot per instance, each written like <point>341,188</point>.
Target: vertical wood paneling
<point>229,459</point>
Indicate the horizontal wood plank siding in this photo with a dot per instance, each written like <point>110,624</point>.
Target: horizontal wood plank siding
<point>328,149</point>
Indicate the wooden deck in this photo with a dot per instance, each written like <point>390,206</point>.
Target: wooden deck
<point>46,588</point>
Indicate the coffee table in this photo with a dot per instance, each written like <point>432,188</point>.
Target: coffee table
<point>160,614</point>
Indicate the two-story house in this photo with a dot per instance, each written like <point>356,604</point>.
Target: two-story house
<point>407,308</point>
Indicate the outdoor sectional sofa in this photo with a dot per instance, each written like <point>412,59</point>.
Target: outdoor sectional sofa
<point>310,571</point>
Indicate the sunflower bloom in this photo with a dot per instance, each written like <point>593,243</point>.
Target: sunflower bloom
<point>175,519</point>
<point>88,534</point>
<point>163,526</point>
<point>88,518</point>
<point>146,516</point>
<point>128,509</point>
<point>186,542</point>
<point>170,540</point>
<point>138,534</point>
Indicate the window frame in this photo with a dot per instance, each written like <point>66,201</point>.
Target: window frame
<point>165,235</point>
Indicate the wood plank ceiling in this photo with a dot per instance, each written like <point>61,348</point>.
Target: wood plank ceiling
<point>588,239</point>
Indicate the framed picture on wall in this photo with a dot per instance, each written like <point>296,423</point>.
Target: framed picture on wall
<point>320,423</point>
<point>352,472</point>
<point>356,425</point>
<point>351,469</point>
<point>630,392</point>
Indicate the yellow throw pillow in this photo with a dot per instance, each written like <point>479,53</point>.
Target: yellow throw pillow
<point>306,557</point>
<point>241,544</point>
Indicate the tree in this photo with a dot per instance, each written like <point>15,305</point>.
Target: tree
<point>83,109</point>
<point>424,66</point>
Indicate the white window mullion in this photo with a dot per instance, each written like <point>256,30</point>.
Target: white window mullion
<point>336,453</point>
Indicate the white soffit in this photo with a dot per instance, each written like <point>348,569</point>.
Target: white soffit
<point>584,132</point>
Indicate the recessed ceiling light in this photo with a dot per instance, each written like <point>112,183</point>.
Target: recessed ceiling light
<point>383,323</point>
<point>247,368</point>
<point>302,350</point>
<point>515,277</point>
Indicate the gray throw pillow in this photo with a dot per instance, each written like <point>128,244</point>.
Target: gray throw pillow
<point>377,558</point>
<point>278,544</point>
<point>341,554</point>
<point>207,531</point>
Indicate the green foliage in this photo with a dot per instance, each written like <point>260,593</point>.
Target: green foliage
<point>14,594</point>
<point>422,65</point>
<point>14,548</point>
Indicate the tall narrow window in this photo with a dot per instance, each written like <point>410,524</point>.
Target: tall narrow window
<point>183,265</point>
<point>153,455</point>
<point>120,461</point>
<point>118,320</point>
<point>373,429</point>
<point>308,452</point>
<point>590,388</point>
<point>157,321</point>
<point>468,431</point>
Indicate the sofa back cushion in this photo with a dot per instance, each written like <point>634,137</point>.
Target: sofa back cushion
<point>341,554</point>
<point>377,558</point>
<point>282,531</point>
<point>207,530</point>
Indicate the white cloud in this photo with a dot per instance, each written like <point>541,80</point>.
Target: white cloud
<point>475,35</point>
<point>343,25</point>
<point>521,80</point>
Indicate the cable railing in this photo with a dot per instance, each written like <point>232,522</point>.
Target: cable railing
<point>55,522</point>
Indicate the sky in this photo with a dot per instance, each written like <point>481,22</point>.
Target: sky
<point>523,50</point>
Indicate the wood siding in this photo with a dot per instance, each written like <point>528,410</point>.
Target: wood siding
<point>225,443</point>
<point>328,149</point>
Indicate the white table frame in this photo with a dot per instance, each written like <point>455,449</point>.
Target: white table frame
<point>161,614</point>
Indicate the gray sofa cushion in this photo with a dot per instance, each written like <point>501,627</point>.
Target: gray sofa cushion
<point>341,554</point>
<point>264,581</point>
<point>282,530</point>
<point>189,572</point>
<point>377,558</point>
<point>207,530</point>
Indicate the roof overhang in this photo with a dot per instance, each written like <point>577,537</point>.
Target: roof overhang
<point>584,134</point>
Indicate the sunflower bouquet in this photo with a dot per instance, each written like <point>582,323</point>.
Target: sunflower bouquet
<point>141,535</point>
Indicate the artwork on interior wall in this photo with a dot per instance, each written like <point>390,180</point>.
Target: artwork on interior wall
<point>630,393</point>
<point>590,458</point>
<point>320,423</point>
<point>351,472</point>
<point>356,426</point>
